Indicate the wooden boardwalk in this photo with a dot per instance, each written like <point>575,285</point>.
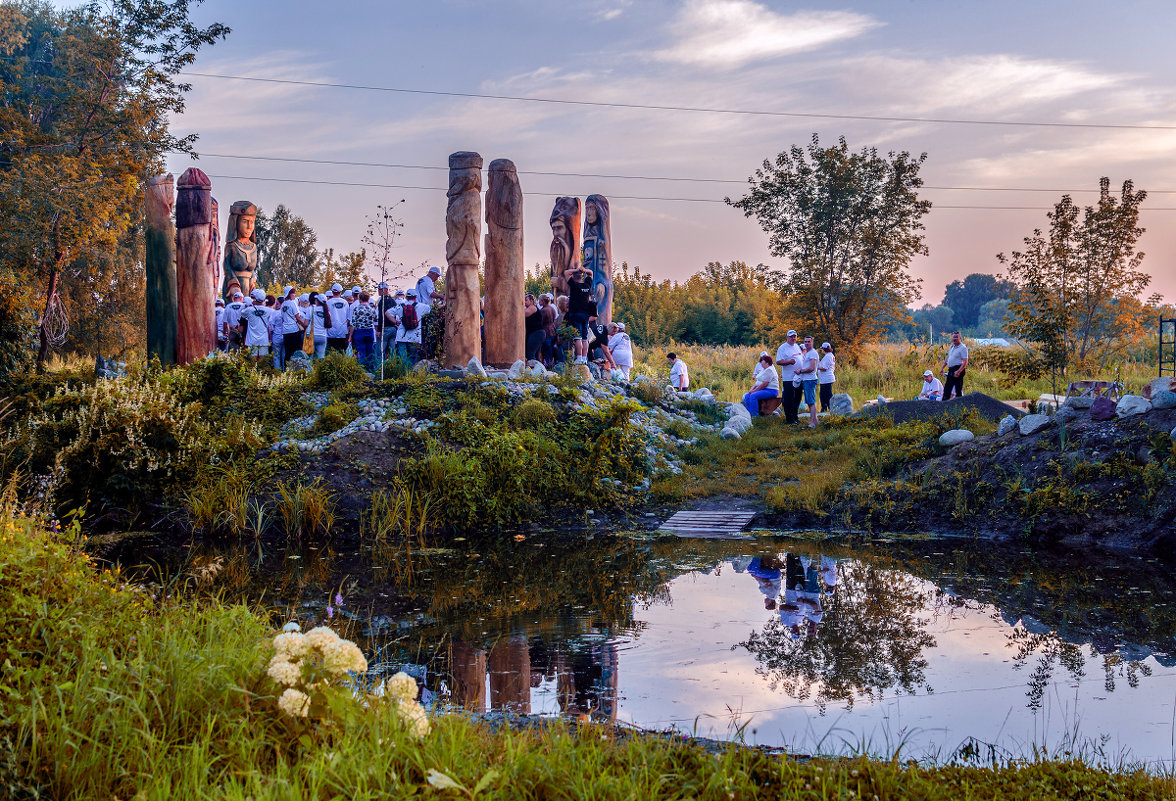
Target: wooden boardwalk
<point>708,524</point>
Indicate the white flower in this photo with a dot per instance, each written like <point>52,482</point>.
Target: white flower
<point>292,644</point>
<point>292,626</point>
<point>321,637</point>
<point>343,656</point>
<point>283,672</point>
<point>413,716</point>
<point>401,687</point>
<point>295,703</point>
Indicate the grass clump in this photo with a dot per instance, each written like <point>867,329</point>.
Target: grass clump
<point>334,416</point>
<point>336,371</point>
<point>533,414</point>
<point>306,509</point>
<point>399,511</point>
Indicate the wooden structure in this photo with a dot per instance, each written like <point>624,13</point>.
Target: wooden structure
<point>1093,389</point>
<point>463,225</point>
<point>504,327</point>
<point>722,523</point>
<point>1167,364</point>
<point>769,405</point>
<point>197,258</point>
<point>160,267</point>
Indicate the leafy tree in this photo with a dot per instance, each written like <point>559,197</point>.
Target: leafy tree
<point>936,319</point>
<point>286,246</point>
<point>992,318</point>
<point>968,296</point>
<point>85,98</point>
<point>1077,287</point>
<point>347,270</point>
<point>849,224</point>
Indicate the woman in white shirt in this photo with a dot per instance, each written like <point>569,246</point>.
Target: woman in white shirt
<point>767,385</point>
<point>621,349</point>
<point>826,374</point>
<point>293,324</point>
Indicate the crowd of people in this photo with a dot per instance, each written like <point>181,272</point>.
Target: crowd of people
<point>408,325</point>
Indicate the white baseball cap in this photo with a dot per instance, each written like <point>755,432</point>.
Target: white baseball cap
<point>791,332</point>
<point>434,269</point>
<point>336,288</point>
<point>620,326</point>
<point>347,293</point>
<point>355,290</point>
<point>257,294</point>
<point>286,292</point>
<point>410,293</point>
<point>927,373</point>
<point>237,295</point>
<point>220,301</point>
<point>304,298</point>
<point>826,345</point>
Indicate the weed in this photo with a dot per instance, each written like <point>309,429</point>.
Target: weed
<point>397,511</point>
<point>306,509</point>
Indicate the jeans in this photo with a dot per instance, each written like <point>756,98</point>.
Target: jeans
<point>407,351</point>
<point>751,399</point>
<point>363,340</point>
<point>826,396</point>
<point>810,392</point>
<point>320,347</point>
<point>337,344</point>
<point>955,380</point>
<point>387,344</point>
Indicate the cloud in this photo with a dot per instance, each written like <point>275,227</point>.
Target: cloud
<point>727,34</point>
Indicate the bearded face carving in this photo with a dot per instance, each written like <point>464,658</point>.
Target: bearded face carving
<point>565,249</point>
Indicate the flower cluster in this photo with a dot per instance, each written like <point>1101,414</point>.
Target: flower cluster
<point>401,691</point>
<point>310,664</point>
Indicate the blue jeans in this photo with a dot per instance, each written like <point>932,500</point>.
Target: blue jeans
<point>751,399</point>
<point>407,351</point>
<point>388,344</point>
<point>362,340</point>
<point>810,392</point>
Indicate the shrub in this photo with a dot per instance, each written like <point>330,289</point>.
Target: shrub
<point>533,414</point>
<point>306,509</point>
<point>647,391</point>
<point>336,371</point>
<point>335,416</point>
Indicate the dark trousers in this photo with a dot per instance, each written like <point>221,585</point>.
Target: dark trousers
<point>534,345</point>
<point>955,380</point>
<point>790,400</point>
<point>337,343</point>
<point>291,343</point>
<point>826,396</point>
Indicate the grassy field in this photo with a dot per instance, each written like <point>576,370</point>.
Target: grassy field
<point>887,369</point>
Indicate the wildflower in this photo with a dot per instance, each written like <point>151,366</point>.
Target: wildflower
<point>283,672</point>
<point>292,644</point>
<point>413,716</point>
<point>291,627</point>
<point>330,612</point>
<point>294,703</point>
<point>320,637</point>
<point>401,687</point>
<point>343,656</point>
<point>338,599</point>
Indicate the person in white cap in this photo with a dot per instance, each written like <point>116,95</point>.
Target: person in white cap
<point>932,387</point>
<point>256,320</point>
<point>231,322</point>
<point>427,286</point>
<point>827,371</point>
<point>386,308</point>
<point>408,332</point>
<point>808,375</point>
<point>337,331</point>
<point>294,323</point>
<point>222,341</point>
<point>788,358</point>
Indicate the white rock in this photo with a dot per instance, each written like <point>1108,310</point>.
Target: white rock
<point>1161,384</point>
<point>1132,404</point>
<point>1007,424</point>
<point>704,394</point>
<point>841,403</point>
<point>730,433</point>
<point>1032,423</point>
<point>954,437</point>
<point>475,368</point>
<point>671,391</point>
<point>1079,402</point>
<point>537,371</point>
<point>739,424</point>
<point>1164,399</point>
<point>516,370</point>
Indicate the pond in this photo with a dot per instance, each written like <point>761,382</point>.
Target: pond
<point>934,649</point>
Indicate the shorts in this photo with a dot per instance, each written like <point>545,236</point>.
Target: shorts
<point>810,392</point>
<point>579,321</point>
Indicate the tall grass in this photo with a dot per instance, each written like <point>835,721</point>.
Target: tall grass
<point>306,509</point>
<point>399,511</point>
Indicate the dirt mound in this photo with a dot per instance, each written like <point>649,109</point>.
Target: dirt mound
<point>905,411</point>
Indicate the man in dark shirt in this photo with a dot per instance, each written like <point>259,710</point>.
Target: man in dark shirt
<point>581,308</point>
<point>598,346</point>
<point>386,307</point>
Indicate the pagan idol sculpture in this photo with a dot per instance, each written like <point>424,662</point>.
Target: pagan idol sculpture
<point>196,257</point>
<point>240,247</point>
<point>565,250</point>
<point>598,254</point>
<point>463,224</point>
<point>505,282</point>
<point>160,258</point>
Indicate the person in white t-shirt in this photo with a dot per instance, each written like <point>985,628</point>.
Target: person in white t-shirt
<point>808,373</point>
<point>826,370</point>
<point>294,323</point>
<point>679,374</point>
<point>932,388</point>
<point>256,319</point>
<point>788,358</point>
<point>622,350</point>
<point>232,320</point>
<point>222,341</point>
<point>337,333</point>
<point>767,385</point>
<point>408,336</point>
<point>955,364</point>
<point>426,287</point>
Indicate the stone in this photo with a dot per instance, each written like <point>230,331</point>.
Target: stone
<point>594,370</point>
<point>1102,409</point>
<point>1007,424</point>
<point>582,372</point>
<point>1079,402</point>
<point>565,249</point>
<point>1065,415</point>
<point>740,424</point>
<point>1032,423</point>
<point>841,403</point>
<point>705,395</point>
<point>241,252</point>
<point>422,366</point>
<point>516,370</point>
<point>537,371</point>
<point>1161,384</point>
<point>596,249</point>
<point>956,436</point>
<point>299,362</point>
<point>882,400</point>
<point>463,296</point>
<point>1131,405</point>
<point>197,264</point>
<point>533,363</point>
<point>474,367</point>
<point>160,268</point>
<point>503,324</point>
<point>730,433</point>
<point>1172,433</point>
<point>1164,399</point>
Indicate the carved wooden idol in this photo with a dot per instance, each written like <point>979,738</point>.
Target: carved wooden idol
<point>565,250</point>
<point>159,258</point>
<point>463,224</point>
<point>195,267</point>
<point>240,247</point>
<point>505,280</point>
<point>597,252</point>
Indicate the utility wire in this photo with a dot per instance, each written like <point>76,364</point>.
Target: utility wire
<point>692,109</point>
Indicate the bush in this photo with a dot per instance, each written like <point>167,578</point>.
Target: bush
<point>533,415</point>
<point>335,416</point>
<point>306,509</point>
<point>336,371</point>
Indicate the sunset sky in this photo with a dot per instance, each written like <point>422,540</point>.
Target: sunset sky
<point>1093,63</point>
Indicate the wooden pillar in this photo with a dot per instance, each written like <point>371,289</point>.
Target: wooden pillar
<point>510,676</point>
<point>505,283</point>
<point>160,257</point>
<point>468,667</point>
<point>196,256</point>
<point>463,224</point>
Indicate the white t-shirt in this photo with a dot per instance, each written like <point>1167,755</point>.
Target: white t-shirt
<point>809,360</point>
<point>784,353</point>
<point>220,321</point>
<point>233,313</point>
<point>257,325</point>
<point>956,355</point>
<point>415,334</point>
<point>290,316</point>
<point>827,369</point>
<point>934,386</point>
<point>424,289</point>
<point>339,318</point>
<point>770,375</point>
<point>679,375</point>
<point>320,322</point>
<point>622,349</point>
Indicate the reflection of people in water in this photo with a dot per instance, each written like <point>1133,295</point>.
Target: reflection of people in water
<point>806,581</point>
<point>766,570</point>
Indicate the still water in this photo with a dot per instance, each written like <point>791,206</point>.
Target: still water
<point>941,650</point>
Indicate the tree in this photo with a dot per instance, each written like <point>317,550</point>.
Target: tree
<point>992,318</point>
<point>933,318</point>
<point>967,296</point>
<point>346,270</point>
<point>286,248</point>
<point>382,229</point>
<point>85,98</point>
<point>849,224</point>
<point>1076,290</point>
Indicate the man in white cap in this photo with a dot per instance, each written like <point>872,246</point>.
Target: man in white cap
<point>232,320</point>
<point>256,321</point>
<point>427,286</point>
<point>386,325</point>
<point>932,387</point>
<point>337,332</point>
<point>293,324</point>
<point>788,358</point>
<point>408,332</point>
<point>222,341</point>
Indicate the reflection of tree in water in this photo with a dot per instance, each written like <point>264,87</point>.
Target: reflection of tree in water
<point>1052,651</point>
<point>871,639</point>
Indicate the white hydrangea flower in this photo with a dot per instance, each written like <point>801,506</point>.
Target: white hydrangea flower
<point>292,644</point>
<point>292,626</point>
<point>294,703</point>
<point>283,672</point>
<point>401,687</point>
<point>414,718</point>
<point>320,637</point>
<point>343,656</point>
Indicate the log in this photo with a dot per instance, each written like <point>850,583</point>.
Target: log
<point>160,267</point>
<point>196,268</point>
<point>505,328</point>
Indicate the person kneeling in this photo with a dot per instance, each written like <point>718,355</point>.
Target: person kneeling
<point>767,385</point>
<point>932,387</point>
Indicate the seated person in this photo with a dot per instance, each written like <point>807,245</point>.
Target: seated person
<point>932,387</point>
<point>767,385</point>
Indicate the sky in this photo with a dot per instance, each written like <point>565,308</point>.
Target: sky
<point>1076,62</point>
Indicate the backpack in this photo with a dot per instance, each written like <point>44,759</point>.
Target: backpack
<point>408,317</point>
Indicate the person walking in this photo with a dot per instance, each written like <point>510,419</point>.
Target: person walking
<point>293,324</point>
<point>827,369</point>
<point>767,385</point>
<point>363,329</point>
<point>954,367</point>
<point>679,373</point>
<point>337,333</point>
<point>788,358</point>
<point>809,376</point>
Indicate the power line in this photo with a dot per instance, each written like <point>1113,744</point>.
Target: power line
<point>611,196</point>
<point>692,109</point>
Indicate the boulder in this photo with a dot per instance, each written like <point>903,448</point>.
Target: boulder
<point>422,366</point>
<point>1007,424</point>
<point>738,418</point>
<point>1032,423</point>
<point>538,371</point>
<point>516,370</point>
<point>1079,402</point>
<point>299,362</point>
<point>474,367</point>
<point>531,363</point>
<point>594,371</point>
<point>841,403</point>
<point>704,394</point>
<point>671,392</point>
<point>1164,399</point>
<point>1065,415</point>
<point>1132,404</point>
<point>1102,409</point>
<point>1161,384</point>
<point>730,433</point>
<point>954,437</point>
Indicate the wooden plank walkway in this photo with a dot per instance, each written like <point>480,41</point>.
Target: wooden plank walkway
<point>707,524</point>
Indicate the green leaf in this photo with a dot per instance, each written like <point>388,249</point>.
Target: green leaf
<point>442,782</point>
<point>487,780</point>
